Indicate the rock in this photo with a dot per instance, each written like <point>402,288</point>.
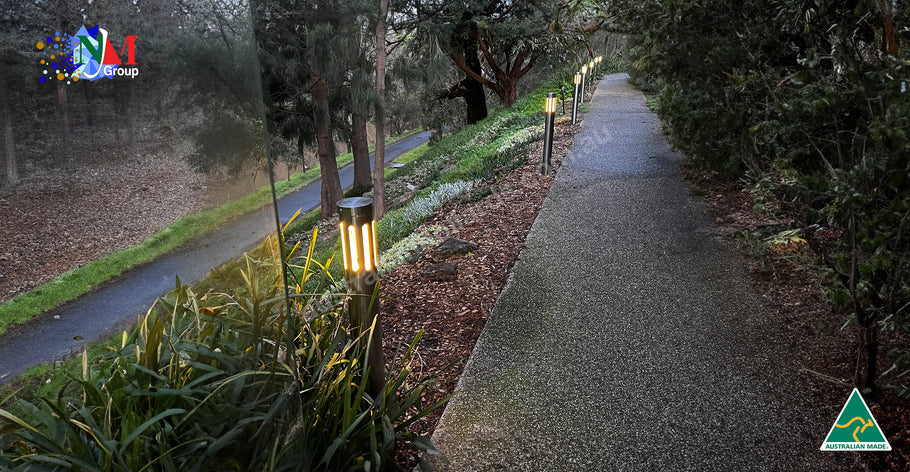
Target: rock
<point>443,272</point>
<point>453,246</point>
<point>418,251</point>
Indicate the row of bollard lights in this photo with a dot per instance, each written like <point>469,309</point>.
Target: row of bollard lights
<point>578,97</point>
<point>361,254</point>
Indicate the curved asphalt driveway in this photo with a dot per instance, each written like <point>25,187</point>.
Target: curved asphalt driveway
<point>122,300</point>
<point>629,337</point>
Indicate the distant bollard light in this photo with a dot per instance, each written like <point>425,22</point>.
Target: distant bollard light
<point>360,255</point>
<point>584,72</point>
<point>575,98</point>
<point>550,110</point>
<point>562,99</point>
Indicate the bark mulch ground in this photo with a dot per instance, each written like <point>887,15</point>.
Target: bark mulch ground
<point>453,313</point>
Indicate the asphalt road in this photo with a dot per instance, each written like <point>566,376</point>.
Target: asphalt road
<point>119,302</point>
<point>629,336</point>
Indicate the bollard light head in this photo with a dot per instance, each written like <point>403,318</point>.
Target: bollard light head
<point>584,69</point>
<point>577,78</point>
<point>591,65</point>
<point>551,103</point>
<point>358,235</point>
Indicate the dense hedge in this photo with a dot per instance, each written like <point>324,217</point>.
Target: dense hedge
<point>812,99</point>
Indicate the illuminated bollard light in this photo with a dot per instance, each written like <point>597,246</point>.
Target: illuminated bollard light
<point>360,255</point>
<point>550,110</point>
<point>575,98</point>
<point>584,72</point>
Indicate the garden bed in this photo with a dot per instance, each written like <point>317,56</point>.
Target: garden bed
<point>453,313</point>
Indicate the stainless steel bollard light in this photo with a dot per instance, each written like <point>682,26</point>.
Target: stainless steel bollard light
<point>360,255</point>
<point>575,98</point>
<point>584,72</point>
<point>550,109</point>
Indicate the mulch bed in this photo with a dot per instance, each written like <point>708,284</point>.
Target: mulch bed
<point>827,353</point>
<point>453,313</point>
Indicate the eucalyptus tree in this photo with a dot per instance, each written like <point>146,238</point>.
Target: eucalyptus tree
<point>352,48</point>
<point>379,175</point>
<point>493,43</point>
<point>296,78</point>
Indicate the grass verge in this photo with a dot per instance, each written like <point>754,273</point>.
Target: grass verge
<point>83,279</point>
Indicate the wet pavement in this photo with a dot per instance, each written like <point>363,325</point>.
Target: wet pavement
<point>121,301</point>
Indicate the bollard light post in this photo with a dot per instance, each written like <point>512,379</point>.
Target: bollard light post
<point>584,72</point>
<point>562,99</point>
<point>550,109</point>
<point>360,255</point>
<point>591,68</point>
<point>575,98</point>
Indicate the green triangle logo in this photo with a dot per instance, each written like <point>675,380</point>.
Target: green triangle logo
<point>855,429</point>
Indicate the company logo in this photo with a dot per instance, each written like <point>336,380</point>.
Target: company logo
<point>86,55</point>
<point>855,429</point>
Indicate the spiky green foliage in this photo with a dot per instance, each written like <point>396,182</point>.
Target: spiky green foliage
<point>210,383</point>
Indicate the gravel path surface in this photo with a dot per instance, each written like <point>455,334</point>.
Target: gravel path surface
<point>629,337</point>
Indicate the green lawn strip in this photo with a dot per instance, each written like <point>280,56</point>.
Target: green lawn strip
<point>411,155</point>
<point>83,279</point>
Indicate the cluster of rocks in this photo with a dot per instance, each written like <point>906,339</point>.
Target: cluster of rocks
<point>443,271</point>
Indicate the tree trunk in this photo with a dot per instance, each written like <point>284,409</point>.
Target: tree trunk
<point>475,98</point>
<point>867,332</point>
<point>867,354</point>
<point>9,160</point>
<point>890,42</point>
<point>379,153</point>
<point>328,166</point>
<point>63,109</point>
<point>361,150</point>
<point>511,93</point>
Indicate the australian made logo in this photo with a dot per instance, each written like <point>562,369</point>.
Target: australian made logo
<point>86,55</point>
<point>855,429</point>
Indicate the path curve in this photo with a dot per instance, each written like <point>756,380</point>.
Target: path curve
<point>121,301</point>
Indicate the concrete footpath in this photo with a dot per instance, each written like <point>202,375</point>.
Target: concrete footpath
<point>629,337</point>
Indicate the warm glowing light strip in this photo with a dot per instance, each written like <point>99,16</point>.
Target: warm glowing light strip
<point>367,250</point>
<point>344,244</point>
<point>584,69</point>
<point>551,105</point>
<point>577,79</point>
<point>375,244</point>
<point>352,242</point>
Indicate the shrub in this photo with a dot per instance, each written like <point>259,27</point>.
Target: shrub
<point>814,90</point>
